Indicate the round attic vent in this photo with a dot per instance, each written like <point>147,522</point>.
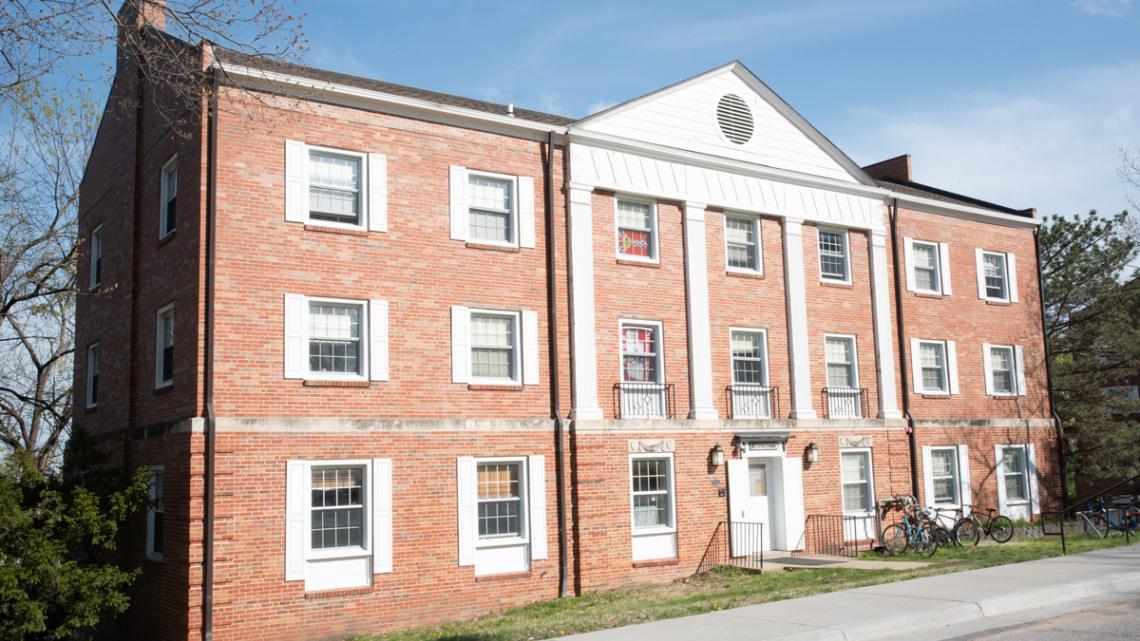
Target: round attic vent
<point>735,119</point>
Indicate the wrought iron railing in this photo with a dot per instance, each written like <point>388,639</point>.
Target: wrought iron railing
<point>644,400</point>
<point>747,401</point>
<point>736,544</point>
<point>1057,518</point>
<point>838,535</point>
<point>845,402</point>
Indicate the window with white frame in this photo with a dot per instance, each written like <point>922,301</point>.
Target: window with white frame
<point>932,360</point>
<point>156,514</point>
<point>335,186</point>
<point>636,229</point>
<point>336,509</point>
<point>502,513</point>
<point>501,499</point>
<point>841,368</point>
<point>164,347</point>
<point>742,243</point>
<point>96,266</point>
<point>994,267</point>
<point>944,475</point>
<point>1004,375</point>
<point>925,266</point>
<point>749,354</point>
<point>491,208</point>
<point>652,492</point>
<point>169,195</point>
<point>858,487</point>
<point>494,346</point>
<point>335,345</point>
<point>640,353</point>
<point>1015,473</point>
<point>834,259</point>
<point>93,375</point>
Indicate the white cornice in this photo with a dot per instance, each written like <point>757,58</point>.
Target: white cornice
<point>966,212</point>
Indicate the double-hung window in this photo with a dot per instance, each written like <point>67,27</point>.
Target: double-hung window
<point>944,475</point>
<point>156,515</point>
<point>1015,477</point>
<point>167,218</point>
<point>93,375</point>
<point>834,257</point>
<point>642,386</point>
<point>334,338</point>
<point>502,513</point>
<point>742,243</point>
<point>997,276</point>
<point>636,230</point>
<point>335,193</point>
<point>653,507</point>
<point>96,266</point>
<point>164,347</point>
<point>491,209</point>
<point>501,501</point>
<point>751,396</point>
<point>336,509</point>
<point>858,486</point>
<point>494,346</point>
<point>933,360</point>
<point>928,267</point>
<point>1005,375</point>
<point>844,398</point>
<point>329,187</point>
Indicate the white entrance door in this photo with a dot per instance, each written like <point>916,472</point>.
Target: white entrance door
<point>748,483</point>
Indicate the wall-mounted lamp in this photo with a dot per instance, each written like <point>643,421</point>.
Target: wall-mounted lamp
<point>812,454</point>
<point>716,456</point>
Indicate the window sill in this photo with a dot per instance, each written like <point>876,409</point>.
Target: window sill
<point>90,409</point>
<point>836,283</point>
<point>335,230</point>
<point>328,594</point>
<point>652,264</point>
<point>1005,397</point>
<point>999,303</point>
<point>493,387</point>
<point>164,388</point>
<point>509,249</point>
<point>506,576</point>
<point>657,563</point>
<point>332,383</point>
<point>934,395</point>
<point>933,295</point>
<point>153,558</point>
<point>744,274</point>
<point>167,238</point>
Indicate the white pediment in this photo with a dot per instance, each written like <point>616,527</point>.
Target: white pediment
<point>685,116</point>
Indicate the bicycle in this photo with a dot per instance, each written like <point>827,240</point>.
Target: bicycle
<point>972,528</point>
<point>941,534</point>
<point>911,532</point>
<point>1098,519</point>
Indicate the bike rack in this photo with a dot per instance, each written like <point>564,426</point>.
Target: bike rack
<point>1126,526</point>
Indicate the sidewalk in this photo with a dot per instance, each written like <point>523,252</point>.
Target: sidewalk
<point>882,610</point>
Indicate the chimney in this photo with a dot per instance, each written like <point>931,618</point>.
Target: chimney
<point>897,169</point>
<point>136,13</point>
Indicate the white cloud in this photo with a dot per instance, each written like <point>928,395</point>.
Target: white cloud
<point>1115,8</point>
<point>1050,142</point>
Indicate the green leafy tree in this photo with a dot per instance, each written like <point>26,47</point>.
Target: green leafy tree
<point>55,536</point>
<point>1092,297</point>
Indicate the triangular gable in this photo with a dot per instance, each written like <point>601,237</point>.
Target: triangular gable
<point>685,116</point>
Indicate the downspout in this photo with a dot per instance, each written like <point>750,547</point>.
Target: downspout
<point>552,347</point>
<point>912,438</point>
<point>1057,425</point>
<point>207,366</point>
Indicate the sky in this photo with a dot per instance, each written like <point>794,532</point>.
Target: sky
<point>1025,103</point>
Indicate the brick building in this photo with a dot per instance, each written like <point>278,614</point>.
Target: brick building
<point>397,356</point>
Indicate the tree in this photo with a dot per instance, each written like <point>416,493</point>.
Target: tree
<point>1092,294</point>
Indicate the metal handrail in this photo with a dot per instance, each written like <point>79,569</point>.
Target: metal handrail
<point>827,534</point>
<point>1080,505</point>
<point>643,400</point>
<point>767,397</point>
<point>747,553</point>
<point>846,398</point>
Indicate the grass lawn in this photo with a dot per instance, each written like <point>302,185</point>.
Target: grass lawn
<point>723,588</point>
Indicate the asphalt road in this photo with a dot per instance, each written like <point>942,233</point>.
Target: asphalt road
<point>1104,622</point>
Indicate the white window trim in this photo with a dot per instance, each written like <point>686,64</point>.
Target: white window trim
<point>1024,475</point>
<point>854,357</point>
<point>150,512</point>
<point>516,347</point>
<point>514,212</point>
<point>957,476</point>
<point>938,276</point>
<point>659,334</point>
<point>167,167</point>
<point>670,470</point>
<point>1016,364</point>
<point>654,231</point>
<point>365,336</point>
<point>159,382</point>
<point>920,383</point>
<point>983,292</point>
<point>763,348</point>
<point>524,504</point>
<point>870,510</point>
<point>366,520</point>
<point>757,250</point>
<point>846,254</point>
<point>91,403</point>
<point>364,188</point>
<point>95,256</point>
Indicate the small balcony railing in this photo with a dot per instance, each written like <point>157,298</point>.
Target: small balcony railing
<point>644,400</point>
<point>845,402</point>
<point>749,401</point>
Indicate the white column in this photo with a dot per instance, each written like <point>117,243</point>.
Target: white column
<point>796,298</point>
<point>583,323</point>
<point>881,312</point>
<point>700,342</point>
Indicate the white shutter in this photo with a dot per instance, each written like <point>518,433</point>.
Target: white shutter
<point>944,258</point>
<point>999,478</point>
<point>378,340</point>
<point>1019,360</point>
<point>1011,274</point>
<point>916,365</point>
<point>536,495</point>
<point>908,254</point>
<point>381,515</point>
<point>296,182</point>
<point>927,476</point>
<point>465,490</point>
<point>295,508</point>
<point>952,366</point>
<point>988,367</point>
<point>526,211</point>
<point>530,347</point>
<point>981,268</point>
<point>377,192</point>
<point>294,336</point>
<point>1031,458</point>
<point>458,202</point>
<point>965,494</point>
<point>460,344</point>
<point>794,502</point>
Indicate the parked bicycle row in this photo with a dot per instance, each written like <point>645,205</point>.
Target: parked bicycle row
<point>925,529</point>
<point>1108,515</point>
